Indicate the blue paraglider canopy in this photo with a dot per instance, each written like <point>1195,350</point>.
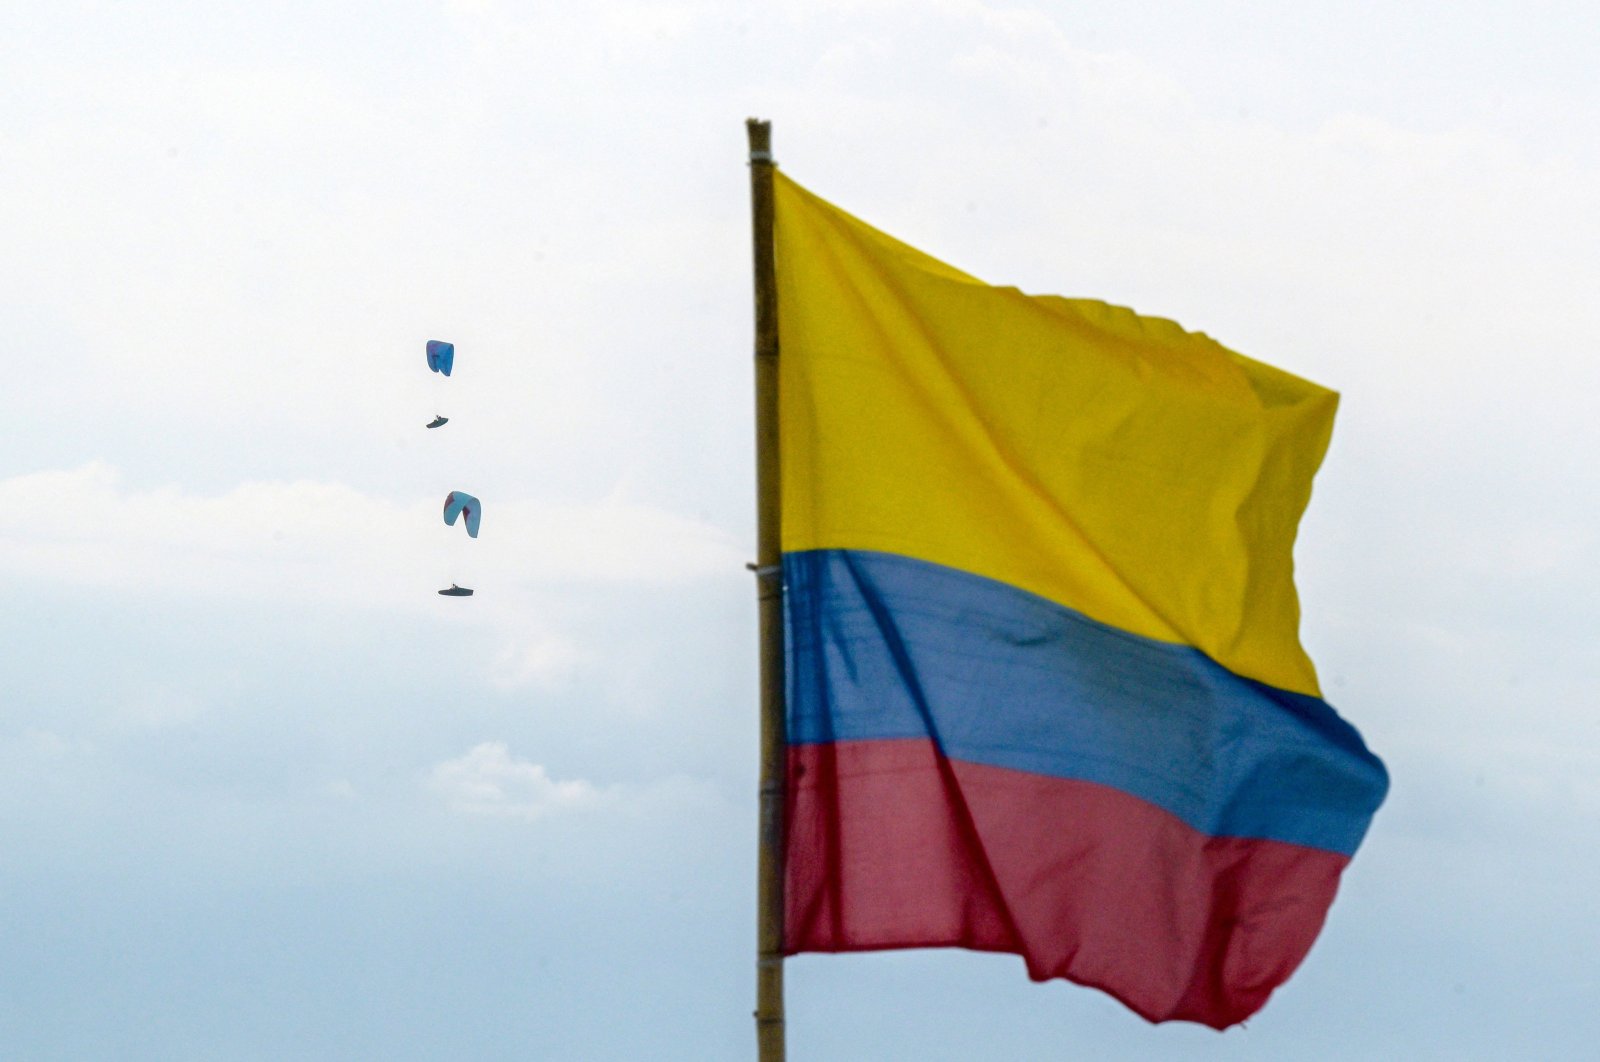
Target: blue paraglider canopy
<point>456,591</point>
<point>460,503</point>
<point>441,355</point>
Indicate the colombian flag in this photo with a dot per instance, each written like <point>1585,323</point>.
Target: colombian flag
<point>1046,694</point>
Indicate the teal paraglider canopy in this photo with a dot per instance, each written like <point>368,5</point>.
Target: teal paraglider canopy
<point>460,503</point>
<point>441,355</point>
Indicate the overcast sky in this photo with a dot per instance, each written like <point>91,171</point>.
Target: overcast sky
<point>264,795</point>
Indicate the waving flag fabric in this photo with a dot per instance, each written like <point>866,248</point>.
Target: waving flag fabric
<point>1045,688</point>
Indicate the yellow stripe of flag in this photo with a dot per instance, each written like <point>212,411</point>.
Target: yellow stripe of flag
<point>1143,475</point>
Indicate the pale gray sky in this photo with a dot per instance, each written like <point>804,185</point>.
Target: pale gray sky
<point>264,795</point>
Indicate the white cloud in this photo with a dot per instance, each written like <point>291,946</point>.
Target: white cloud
<point>487,780</point>
<point>341,789</point>
<point>165,705</point>
<point>1552,777</point>
<point>330,540</point>
<point>44,744</point>
<point>539,661</point>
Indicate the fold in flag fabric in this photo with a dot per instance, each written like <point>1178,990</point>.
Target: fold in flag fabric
<point>1046,693</point>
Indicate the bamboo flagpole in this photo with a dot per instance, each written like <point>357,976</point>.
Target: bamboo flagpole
<point>769,595</point>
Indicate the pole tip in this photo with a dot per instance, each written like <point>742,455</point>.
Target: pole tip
<point>759,130</point>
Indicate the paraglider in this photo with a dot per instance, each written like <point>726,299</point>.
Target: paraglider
<point>441,359</point>
<point>441,355</point>
<point>460,503</point>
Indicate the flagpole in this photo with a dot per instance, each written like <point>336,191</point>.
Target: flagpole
<point>769,596</point>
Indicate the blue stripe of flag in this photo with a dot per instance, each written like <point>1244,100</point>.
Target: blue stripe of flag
<point>884,646</point>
